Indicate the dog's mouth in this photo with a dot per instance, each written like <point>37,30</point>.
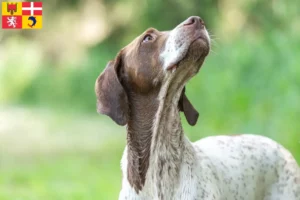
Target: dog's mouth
<point>201,38</point>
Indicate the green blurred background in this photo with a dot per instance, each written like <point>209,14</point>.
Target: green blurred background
<point>53,144</point>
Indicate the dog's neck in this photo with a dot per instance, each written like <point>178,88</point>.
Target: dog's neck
<point>168,144</point>
<point>139,137</point>
<point>154,140</point>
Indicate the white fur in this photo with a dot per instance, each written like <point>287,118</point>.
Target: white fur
<point>245,167</point>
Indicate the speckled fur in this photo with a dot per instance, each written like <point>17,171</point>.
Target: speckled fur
<point>244,167</point>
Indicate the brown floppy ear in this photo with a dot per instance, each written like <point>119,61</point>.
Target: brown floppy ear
<point>188,109</point>
<point>111,97</point>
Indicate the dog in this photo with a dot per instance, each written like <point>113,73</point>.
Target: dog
<point>144,88</point>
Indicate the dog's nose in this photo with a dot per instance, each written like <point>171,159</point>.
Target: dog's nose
<point>194,21</point>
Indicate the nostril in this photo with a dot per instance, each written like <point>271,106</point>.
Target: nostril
<point>193,21</point>
<point>190,21</point>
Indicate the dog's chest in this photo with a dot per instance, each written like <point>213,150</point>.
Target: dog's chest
<point>184,187</point>
<point>176,181</point>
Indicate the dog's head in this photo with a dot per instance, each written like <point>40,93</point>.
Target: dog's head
<point>153,62</point>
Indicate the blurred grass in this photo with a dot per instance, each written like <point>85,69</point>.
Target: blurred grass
<point>56,155</point>
<point>93,175</point>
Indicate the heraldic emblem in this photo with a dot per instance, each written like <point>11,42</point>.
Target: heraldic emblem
<point>22,15</point>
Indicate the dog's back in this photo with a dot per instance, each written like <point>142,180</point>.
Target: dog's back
<point>250,167</point>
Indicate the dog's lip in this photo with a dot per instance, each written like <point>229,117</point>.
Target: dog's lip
<point>172,67</point>
<point>202,37</point>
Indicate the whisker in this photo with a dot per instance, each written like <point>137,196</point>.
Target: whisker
<point>212,51</point>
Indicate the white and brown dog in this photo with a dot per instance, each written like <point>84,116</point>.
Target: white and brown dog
<point>143,88</point>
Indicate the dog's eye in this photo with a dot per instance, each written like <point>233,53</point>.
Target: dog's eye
<point>148,38</point>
